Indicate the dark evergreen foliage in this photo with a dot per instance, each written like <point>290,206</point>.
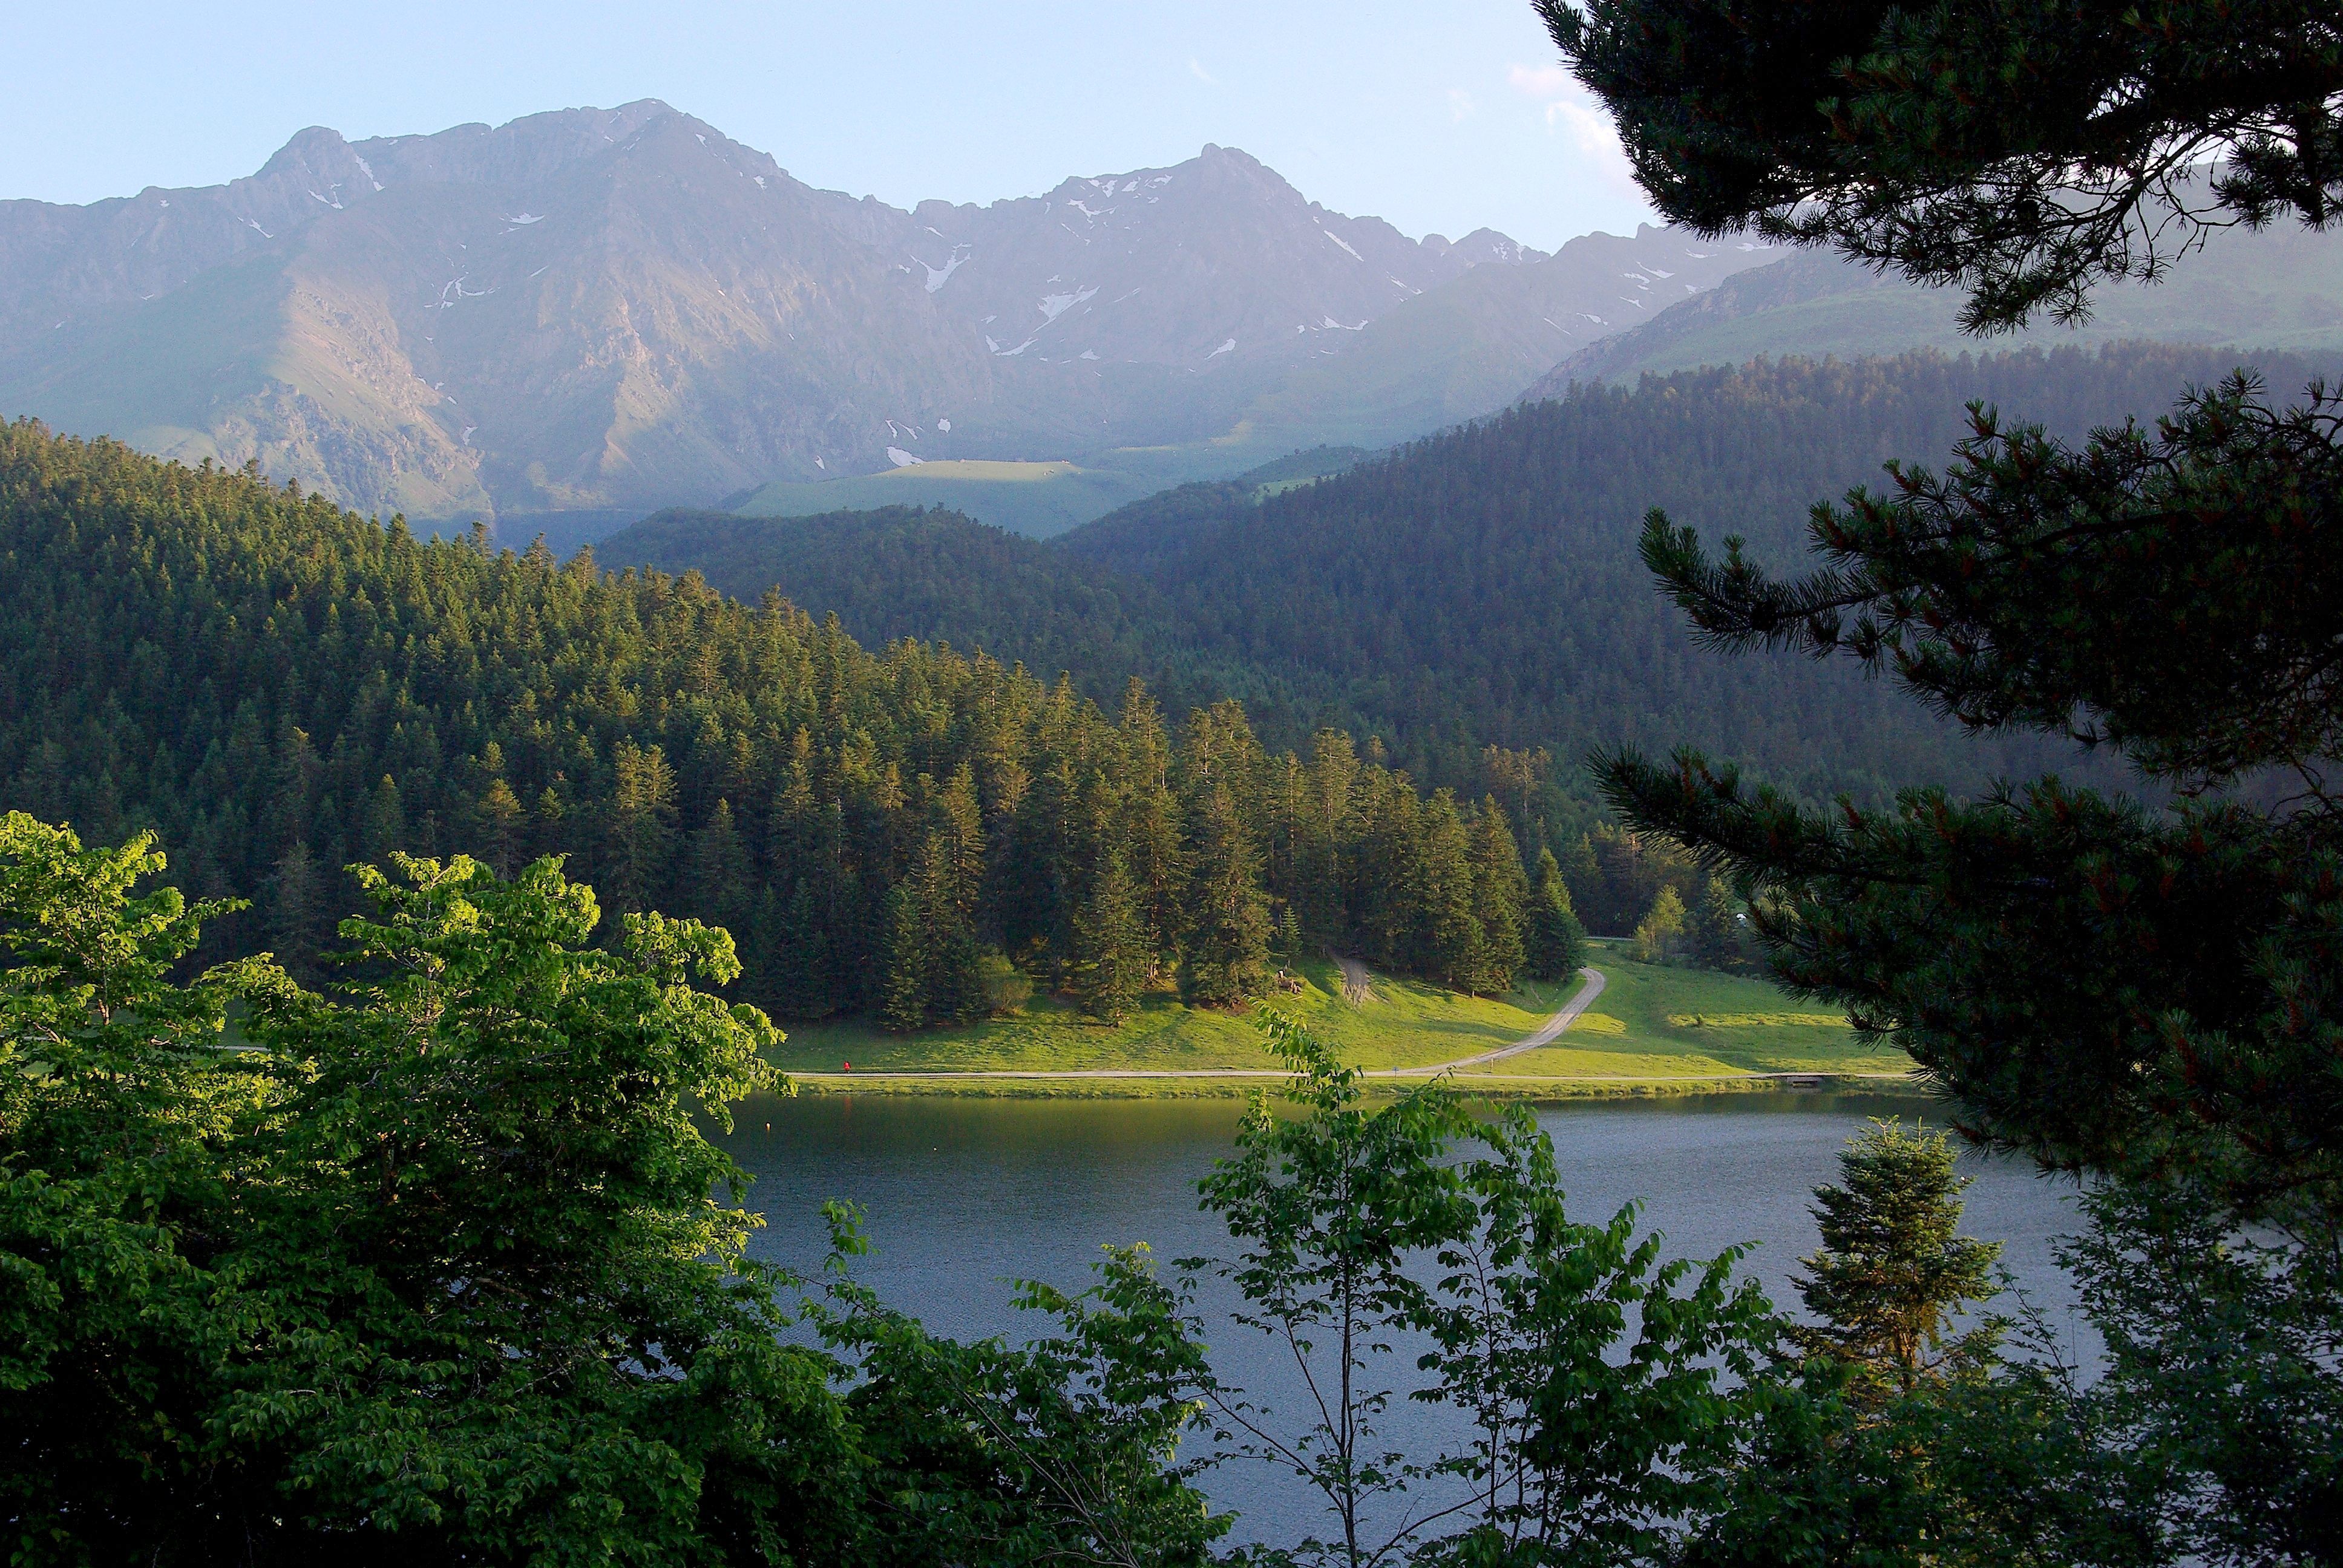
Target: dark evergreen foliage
<point>2141,993</point>
<point>1554,943</point>
<point>280,687</point>
<point>2026,150</point>
<point>1480,587</point>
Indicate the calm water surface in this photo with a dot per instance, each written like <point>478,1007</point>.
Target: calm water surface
<point>963,1196</point>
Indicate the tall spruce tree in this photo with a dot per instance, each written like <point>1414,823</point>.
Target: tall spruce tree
<point>803,976</point>
<point>1500,896</point>
<point>1227,956</point>
<point>641,833</point>
<point>1893,1273</point>
<point>1555,945</point>
<point>906,962</point>
<point>955,971</point>
<point>301,912</point>
<point>501,820</point>
<point>718,884</point>
<point>1148,824</point>
<point>1110,945</point>
<point>1712,927</point>
<point>1449,938</point>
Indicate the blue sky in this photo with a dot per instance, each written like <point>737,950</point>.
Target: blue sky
<point>1442,116</point>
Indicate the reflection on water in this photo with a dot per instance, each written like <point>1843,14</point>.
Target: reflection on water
<point>964,1195</point>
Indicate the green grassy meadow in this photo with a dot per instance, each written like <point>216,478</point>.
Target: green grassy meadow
<point>1405,1024</point>
<point>1656,1020</point>
<point>1653,1025</point>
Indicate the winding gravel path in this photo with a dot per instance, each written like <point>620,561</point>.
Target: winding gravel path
<point>1547,1033</point>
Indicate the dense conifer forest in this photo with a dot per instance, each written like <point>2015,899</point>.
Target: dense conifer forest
<point>279,687</point>
<point>1481,587</point>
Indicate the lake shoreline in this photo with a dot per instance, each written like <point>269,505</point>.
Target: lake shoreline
<point>1012,1085</point>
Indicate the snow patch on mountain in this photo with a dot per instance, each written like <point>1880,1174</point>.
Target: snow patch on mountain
<point>1053,306</point>
<point>940,275</point>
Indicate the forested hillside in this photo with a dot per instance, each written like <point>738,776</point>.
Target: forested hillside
<point>280,687</point>
<point>1483,585</point>
<point>1479,587</point>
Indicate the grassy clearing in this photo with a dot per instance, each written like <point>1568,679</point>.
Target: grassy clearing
<point>1653,1029</point>
<point>1657,1021</point>
<point>1405,1024</point>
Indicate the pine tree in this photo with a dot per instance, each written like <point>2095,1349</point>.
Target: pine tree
<point>1582,874</point>
<point>1556,942</point>
<point>641,825</point>
<point>547,820</point>
<point>1227,957</point>
<point>1386,878</point>
<point>1148,825</point>
<point>1450,938</point>
<point>959,818</point>
<point>1110,945</point>
<point>1893,1271</point>
<point>1290,943</point>
<point>300,916</point>
<point>803,973</point>
<point>500,828</point>
<point>718,873</point>
<point>955,977</point>
<point>1713,928</point>
<point>385,828</point>
<point>905,961</point>
<point>1327,834</point>
<point>1500,891</point>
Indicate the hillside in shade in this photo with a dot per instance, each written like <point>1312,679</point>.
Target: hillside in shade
<point>1480,587</point>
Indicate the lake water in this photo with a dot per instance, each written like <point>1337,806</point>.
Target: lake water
<point>964,1195</point>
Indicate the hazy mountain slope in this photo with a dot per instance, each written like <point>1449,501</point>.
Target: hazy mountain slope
<point>2279,289</point>
<point>1457,350</point>
<point>1462,350</point>
<point>1036,499</point>
<point>592,313</point>
<point>942,576</point>
<point>606,308</point>
<point>573,319</point>
<point>1138,267</point>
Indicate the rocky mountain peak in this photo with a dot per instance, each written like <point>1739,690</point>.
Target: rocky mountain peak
<point>599,308</point>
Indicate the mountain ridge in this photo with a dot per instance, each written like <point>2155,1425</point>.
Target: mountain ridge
<point>2279,290</point>
<point>610,308</point>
